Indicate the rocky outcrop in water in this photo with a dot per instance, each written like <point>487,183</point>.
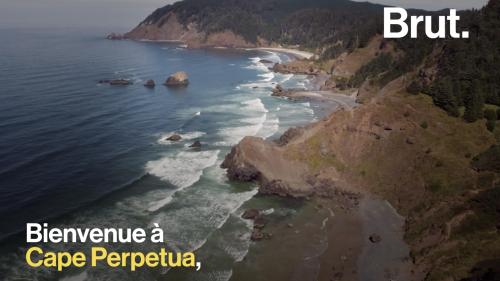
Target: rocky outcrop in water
<point>196,145</point>
<point>150,84</point>
<point>178,79</point>
<point>250,214</point>
<point>116,82</point>
<point>116,36</point>
<point>174,137</point>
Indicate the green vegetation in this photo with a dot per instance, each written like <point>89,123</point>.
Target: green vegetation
<point>488,160</point>
<point>377,67</point>
<point>468,69</point>
<point>333,25</point>
<point>485,206</point>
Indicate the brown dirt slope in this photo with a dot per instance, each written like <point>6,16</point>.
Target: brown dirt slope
<point>169,28</point>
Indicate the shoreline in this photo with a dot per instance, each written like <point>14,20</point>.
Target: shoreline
<point>292,52</point>
<point>349,221</point>
<point>295,53</point>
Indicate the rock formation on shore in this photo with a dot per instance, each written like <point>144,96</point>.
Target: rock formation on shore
<point>254,159</point>
<point>178,79</point>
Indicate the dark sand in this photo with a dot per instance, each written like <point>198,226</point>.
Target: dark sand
<point>328,239</point>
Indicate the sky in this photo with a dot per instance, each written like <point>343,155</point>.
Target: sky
<point>123,15</point>
<point>432,4</point>
<point>119,15</point>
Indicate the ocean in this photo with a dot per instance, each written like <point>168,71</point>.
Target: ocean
<point>76,153</point>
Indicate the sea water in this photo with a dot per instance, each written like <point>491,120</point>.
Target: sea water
<point>77,153</point>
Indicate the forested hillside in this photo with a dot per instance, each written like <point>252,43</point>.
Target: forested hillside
<point>333,25</point>
<point>468,76</point>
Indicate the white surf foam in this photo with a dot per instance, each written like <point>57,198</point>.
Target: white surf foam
<point>286,77</point>
<point>233,135</point>
<point>273,56</point>
<point>253,85</point>
<point>183,169</point>
<point>257,65</point>
<point>208,210</point>
<point>254,105</point>
<point>267,76</point>
<point>269,128</point>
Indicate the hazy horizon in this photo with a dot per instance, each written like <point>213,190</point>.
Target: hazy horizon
<point>119,15</point>
<point>432,4</point>
<point>122,15</point>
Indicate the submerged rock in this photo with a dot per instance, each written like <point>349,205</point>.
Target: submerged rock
<point>174,137</point>
<point>258,235</point>
<point>178,79</point>
<point>259,222</point>
<point>150,84</point>
<point>120,82</point>
<point>278,91</point>
<point>251,214</point>
<point>196,144</point>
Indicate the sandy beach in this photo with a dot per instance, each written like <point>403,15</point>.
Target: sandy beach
<point>296,53</point>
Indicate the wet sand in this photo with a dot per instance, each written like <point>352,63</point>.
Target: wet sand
<point>328,239</point>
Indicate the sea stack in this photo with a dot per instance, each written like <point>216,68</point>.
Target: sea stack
<point>178,79</point>
<point>150,84</point>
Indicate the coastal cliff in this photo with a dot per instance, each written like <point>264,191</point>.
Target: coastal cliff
<point>170,29</point>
